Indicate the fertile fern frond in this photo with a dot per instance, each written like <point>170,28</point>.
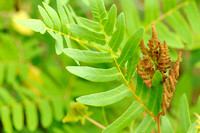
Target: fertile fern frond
<point>101,41</point>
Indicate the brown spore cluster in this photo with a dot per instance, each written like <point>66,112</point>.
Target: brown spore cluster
<point>156,57</point>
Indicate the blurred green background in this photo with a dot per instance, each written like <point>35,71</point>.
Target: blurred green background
<point>34,83</point>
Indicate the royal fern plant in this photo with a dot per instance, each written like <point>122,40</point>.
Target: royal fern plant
<point>142,66</point>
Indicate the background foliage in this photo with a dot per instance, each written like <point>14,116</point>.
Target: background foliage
<point>36,89</point>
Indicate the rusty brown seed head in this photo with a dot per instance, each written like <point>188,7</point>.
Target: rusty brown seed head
<point>156,57</point>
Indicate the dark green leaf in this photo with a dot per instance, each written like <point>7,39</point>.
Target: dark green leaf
<point>131,47</point>
<point>132,64</point>
<point>11,73</point>
<point>6,97</point>
<point>2,73</point>
<point>156,94</point>
<point>141,89</point>
<point>198,106</point>
<point>169,4</point>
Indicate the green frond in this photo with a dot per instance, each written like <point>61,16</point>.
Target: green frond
<point>146,125</point>
<point>95,74</point>
<point>88,56</point>
<point>156,94</point>
<point>105,98</point>
<point>125,119</point>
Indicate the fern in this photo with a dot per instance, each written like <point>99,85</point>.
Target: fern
<point>102,41</point>
<point>25,102</point>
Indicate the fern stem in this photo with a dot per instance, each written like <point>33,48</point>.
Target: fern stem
<point>123,77</point>
<point>77,40</point>
<point>158,123</point>
<point>163,16</point>
<point>94,122</point>
<point>104,116</point>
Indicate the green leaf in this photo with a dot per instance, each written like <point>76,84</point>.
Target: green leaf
<point>118,35</point>
<point>165,35</point>
<point>192,13</point>
<point>131,47</point>
<point>105,98</point>
<point>63,15</point>
<point>31,116</point>
<point>169,4</point>
<point>132,64</point>
<point>146,125</point>
<point>33,24</point>
<point>88,56</point>
<point>141,89</point>
<point>95,74</point>
<point>76,18</point>
<point>98,10</point>
<point>58,109</point>
<point>125,119</point>
<point>87,34</point>
<point>166,126</point>
<point>178,23</point>
<point>6,119</point>
<point>156,94</point>
<point>110,22</point>
<point>6,97</point>
<point>45,113</point>
<point>23,71</point>
<point>193,128</point>
<point>11,73</point>
<point>54,16</point>
<point>185,81</point>
<point>90,24</point>
<point>18,116</point>
<point>59,44</point>
<point>198,106</point>
<point>132,16</point>
<point>151,10</point>
<point>184,114</point>
<point>2,73</point>
<point>46,17</point>
<point>71,20</point>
